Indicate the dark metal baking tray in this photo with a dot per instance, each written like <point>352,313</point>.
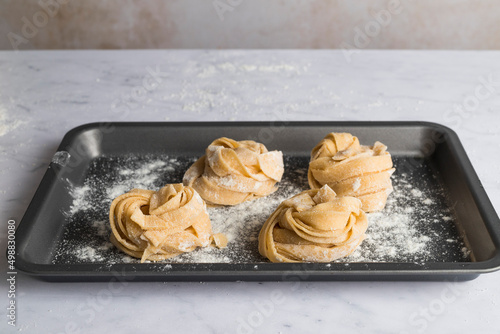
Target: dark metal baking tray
<point>430,152</point>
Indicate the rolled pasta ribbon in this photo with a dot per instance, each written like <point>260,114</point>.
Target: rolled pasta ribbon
<point>232,172</point>
<point>351,169</point>
<point>157,225</point>
<point>313,226</point>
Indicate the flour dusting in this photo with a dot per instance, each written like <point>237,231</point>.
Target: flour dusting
<point>416,225</point>
<point>7,124</point>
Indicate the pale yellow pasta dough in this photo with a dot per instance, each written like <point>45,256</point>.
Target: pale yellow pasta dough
<point>232,172</point>
<point>313,226</point>
<point>351,169</point>
<point>157,225</point>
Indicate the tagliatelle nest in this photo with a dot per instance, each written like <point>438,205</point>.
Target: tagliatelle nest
<point>313,226</point>
<point>232,172</point>
<point>157,225</point>
<point>351,169</point>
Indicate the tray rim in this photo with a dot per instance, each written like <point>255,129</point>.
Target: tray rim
<point>225,271</point>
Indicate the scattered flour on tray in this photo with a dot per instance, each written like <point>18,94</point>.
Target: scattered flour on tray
<point>143,177</point>
<point>88,254</point>
<point>80,199</point>
<point>399,233</point>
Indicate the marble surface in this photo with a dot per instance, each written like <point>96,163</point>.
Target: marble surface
<point>44,94</point>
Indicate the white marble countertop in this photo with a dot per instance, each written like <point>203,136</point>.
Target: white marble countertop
<point>43,94</point>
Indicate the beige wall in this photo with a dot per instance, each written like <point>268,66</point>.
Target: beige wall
<point>109,24</point>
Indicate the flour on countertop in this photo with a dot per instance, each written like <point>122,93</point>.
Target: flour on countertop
<point>416,225</point>
<point>212,70</point>
<point>7,124</point>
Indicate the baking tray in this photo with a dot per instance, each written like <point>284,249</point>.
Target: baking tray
<point>459,222</point>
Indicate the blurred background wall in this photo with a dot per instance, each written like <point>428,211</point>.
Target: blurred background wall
<point>370,24</point>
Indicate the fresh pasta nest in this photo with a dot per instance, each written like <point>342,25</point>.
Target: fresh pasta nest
<point>313,226</point>
<point>232,172</point>
<point>157,225</point>
<point>351,169</point>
